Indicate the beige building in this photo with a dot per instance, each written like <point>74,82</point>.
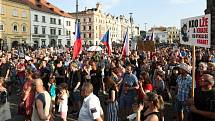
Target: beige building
<point>94,24</point>
<point>14,24</point>
<point>173,34</point>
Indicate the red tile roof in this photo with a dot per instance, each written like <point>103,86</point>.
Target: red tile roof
<point>44,6</point>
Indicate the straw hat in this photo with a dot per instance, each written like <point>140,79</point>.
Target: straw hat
<point>185,67</point>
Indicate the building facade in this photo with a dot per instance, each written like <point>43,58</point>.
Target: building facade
<point>94,24</point>
<point>14,24</point>
<point>50,26</point>
<point>173,34</point>
<point>164,34</point>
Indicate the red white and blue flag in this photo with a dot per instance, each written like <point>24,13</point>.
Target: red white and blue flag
<point>78,42</point>
<point>107,42</point>
<point>125,50</point>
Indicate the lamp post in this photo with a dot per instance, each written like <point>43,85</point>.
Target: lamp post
<point>145,26</point>
<point>132,33</point>
<point>76,11</point>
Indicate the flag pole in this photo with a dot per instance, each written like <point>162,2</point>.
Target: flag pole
<point>193,68</point>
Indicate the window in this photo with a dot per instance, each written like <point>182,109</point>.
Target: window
<point>24,14</point>
<point>43,42</point>
<point>59,21</point>
<point>24,29</point>
<point>84,35</point>
<point>84,20</point>
<point>59,41</point>
<point>96,27</point>
<point>43,30</point>
<point>35,29</point>
<point>90,36</point>
<point>89,19</point>
<point>15,12</point>
<point>96,35</point>
<point>89,27</point>
<point>52,21</point>
<point>68,33</point>
<point>35,17</point>
<point>43,19</point>
<point>15,27</point>
<point>53,31</point>
<point>68,23</point>
<point>1,27</point>
<point>68,43</point>
<point>1,10</point>
<point>59,31</point>
<point>84,27</point>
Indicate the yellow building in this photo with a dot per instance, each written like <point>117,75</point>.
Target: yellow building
<point>14,24</point>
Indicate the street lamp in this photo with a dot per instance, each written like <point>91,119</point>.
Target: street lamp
<point>145,25</point>
<point>132,33</point>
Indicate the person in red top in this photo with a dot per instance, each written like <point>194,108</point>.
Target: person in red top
<point>145,85</point>
<point>28,95</point>
<point>21,72</point>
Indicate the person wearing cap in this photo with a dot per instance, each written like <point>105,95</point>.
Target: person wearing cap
<point>203,108</point>
<point>184,88</point>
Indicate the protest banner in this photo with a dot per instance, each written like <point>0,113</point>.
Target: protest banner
<point>196,31</point>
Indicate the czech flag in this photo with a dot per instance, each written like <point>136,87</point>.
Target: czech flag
<point>78,42</point>
<point>125,50</point>
<point>107,42</point>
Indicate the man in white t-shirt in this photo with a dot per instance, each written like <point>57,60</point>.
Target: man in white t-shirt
<point>91,109</point>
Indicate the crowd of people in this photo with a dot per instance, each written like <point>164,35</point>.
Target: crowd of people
<point>99,87</point>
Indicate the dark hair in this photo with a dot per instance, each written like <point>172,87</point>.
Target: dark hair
<point>146,77</point>
<point>64,86</point>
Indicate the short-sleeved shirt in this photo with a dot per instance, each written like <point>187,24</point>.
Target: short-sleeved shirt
<point>132,81</point>
<point>184,87</point>
<point>91,109</point>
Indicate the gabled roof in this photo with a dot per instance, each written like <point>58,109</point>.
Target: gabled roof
<point>45,6</point>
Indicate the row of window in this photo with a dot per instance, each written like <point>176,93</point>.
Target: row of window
<point>15,27</point>
<point>14,12</point>
<point>90,35</point>
<point>90,28</point>
<point>43,42</point>
<point>52,20</point>
<point>53,31</point>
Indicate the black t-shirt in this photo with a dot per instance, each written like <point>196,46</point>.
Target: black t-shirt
<point>95,78</point>
<point>3,69</point>
<point>204,101</point>
<point>75,77</point>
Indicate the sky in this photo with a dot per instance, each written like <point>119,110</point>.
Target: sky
<point>154,13</point>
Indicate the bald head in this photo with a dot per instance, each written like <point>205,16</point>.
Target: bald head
<point>38,85</point>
